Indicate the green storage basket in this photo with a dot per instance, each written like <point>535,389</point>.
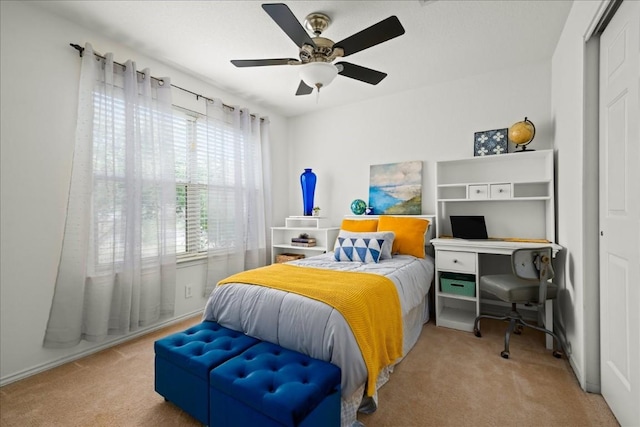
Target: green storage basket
<point>458,284</point>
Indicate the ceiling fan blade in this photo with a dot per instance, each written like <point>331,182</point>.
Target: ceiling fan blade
<point>260,62</point>
<point>358,72</point>
<point>303,89</point>
<point>286,20</point>
<point>384,30</point>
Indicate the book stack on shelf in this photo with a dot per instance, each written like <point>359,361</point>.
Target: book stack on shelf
<point>303,241</point>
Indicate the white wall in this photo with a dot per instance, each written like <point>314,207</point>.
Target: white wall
<point>427,124</point>
<point>573,83</point>
<point>39,99</point>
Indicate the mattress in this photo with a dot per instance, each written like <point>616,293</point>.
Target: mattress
<point>314,328</point>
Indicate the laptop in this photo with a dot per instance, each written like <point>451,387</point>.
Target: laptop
<point>468,227</point>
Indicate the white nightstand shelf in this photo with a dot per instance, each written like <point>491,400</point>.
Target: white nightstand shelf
<point>306,222</point>
<point>314,226</point>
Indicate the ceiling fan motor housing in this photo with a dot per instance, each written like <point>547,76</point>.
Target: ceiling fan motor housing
<point>322,51</point>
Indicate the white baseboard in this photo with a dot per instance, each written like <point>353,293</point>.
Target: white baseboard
<point>568,353</point>
<point>102,346</point>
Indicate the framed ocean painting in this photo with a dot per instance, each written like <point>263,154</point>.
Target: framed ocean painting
<point>396,188</point>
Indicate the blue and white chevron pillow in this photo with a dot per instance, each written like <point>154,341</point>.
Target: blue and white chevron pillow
<point>363,247</point>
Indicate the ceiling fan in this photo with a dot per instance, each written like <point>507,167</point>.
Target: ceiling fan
<point>318,53</point>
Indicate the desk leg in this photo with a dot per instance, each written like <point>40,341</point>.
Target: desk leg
<point>548,322</point>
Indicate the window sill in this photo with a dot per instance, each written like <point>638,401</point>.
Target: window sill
<point>201,257</point>
<point>185,260</point>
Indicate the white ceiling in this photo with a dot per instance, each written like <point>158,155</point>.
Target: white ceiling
<point>445,40</point>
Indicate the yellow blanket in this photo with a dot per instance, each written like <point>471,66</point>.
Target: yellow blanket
<point>368,302</point>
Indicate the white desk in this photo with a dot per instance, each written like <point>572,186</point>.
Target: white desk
<point>465,256</point>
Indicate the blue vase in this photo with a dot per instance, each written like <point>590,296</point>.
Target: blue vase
<point>308,183</point>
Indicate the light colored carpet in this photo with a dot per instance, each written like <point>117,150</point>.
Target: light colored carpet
<point>450,378</point>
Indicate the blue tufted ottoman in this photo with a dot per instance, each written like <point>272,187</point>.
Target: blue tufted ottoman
<point>268,385</point>
<point>183,361</point>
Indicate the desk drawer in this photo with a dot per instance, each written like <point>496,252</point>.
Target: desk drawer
<point>478,192</point>
<point>500,191</point>
<point>456,261</point>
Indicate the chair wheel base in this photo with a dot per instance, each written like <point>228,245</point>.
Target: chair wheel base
<point>477,333</point>
<point>504,354</point>
<point>557,354</point>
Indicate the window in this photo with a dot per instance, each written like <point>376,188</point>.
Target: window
<point>211,176</point>
<point>114,184</point>
<point>189,133</point>
<point>195,148</point>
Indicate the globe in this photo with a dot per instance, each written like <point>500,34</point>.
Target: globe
<point>358,206</point>
<point>522,133</point>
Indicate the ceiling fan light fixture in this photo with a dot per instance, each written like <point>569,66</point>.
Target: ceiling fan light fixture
<point>318,74</point>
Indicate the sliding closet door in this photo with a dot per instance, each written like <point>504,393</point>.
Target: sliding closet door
<point>620,214</point>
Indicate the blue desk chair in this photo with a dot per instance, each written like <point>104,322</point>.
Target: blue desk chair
<point>529,284</point>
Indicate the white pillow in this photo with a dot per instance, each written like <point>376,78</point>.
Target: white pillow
<point>363,247</point>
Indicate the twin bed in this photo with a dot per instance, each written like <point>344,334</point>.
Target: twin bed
<point>360,307</point>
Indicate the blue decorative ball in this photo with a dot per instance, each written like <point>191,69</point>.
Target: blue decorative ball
<point>358,206</point>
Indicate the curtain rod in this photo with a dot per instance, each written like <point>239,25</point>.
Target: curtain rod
<point>80,50</point>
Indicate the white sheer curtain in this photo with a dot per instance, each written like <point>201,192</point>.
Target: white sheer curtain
<point>117,265</point>
<point>237,147</point>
